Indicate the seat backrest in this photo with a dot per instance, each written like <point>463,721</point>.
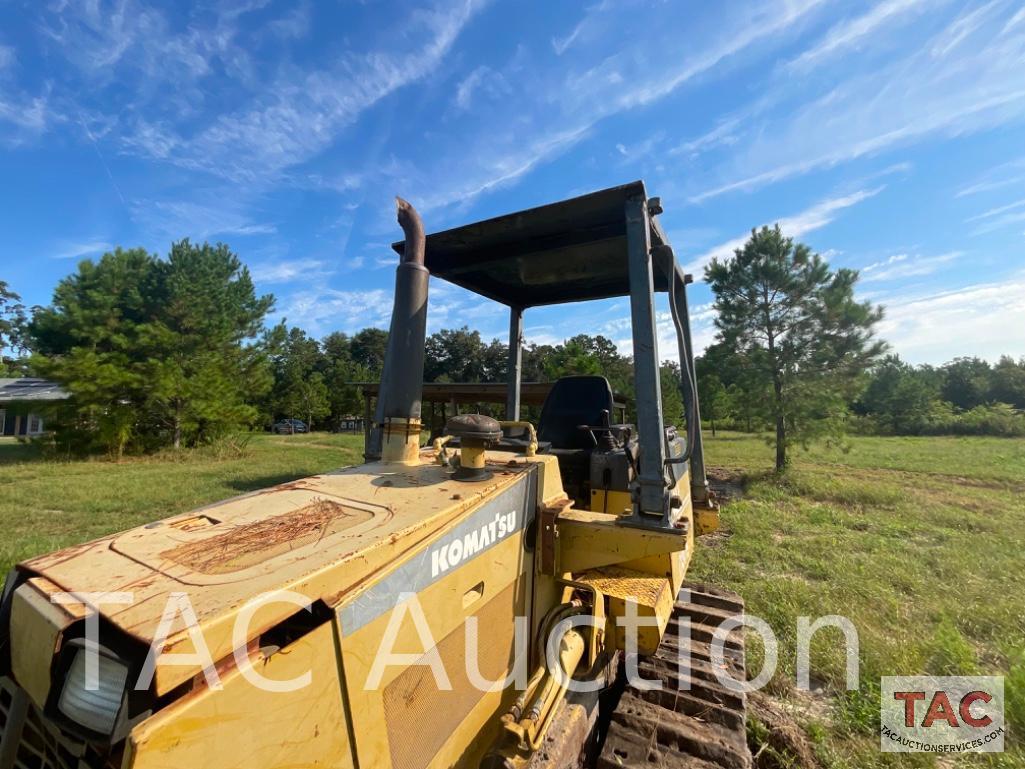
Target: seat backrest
<point>574,401</point>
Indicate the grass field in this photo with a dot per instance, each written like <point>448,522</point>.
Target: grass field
<point>47,505</point>
<point>919,541</point>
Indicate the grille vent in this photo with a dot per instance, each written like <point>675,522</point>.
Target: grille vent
<point>40,745</point>
<point>419,717</point>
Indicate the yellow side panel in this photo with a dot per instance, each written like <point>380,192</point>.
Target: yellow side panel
<point>245,727</point>
<point>588,540</point>
<point>460,723</point>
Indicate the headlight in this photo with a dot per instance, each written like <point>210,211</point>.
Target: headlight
<point>96,708</point>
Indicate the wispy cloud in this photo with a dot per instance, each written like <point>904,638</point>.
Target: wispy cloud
<point>504,170</point>
<point>482,79</point>
<point>722,134</point>
<point>299,114</point>
<point>81,249</point>
<point>130,38</point>
<point>517,137</point>
<point>290,271</point>
<point>640,149</point>
<point>992,184</point>
<point>31,114</point>
<point>812,218</point>
<point>965,24</point>
<point>321,311</point>
<point>561,44</point>
<point>888,261</point>
<point>851,32</point>
<point>176,219</point>
<point>998,222</point>
<point>1005,174</point>
<point>295,24</point>
<point>901,266</point>
<point>648,84</point>
<point>998,210</point>
<point>989,319</point>
<point>1014,21</point>
<point>963,80</point>
<point>24,115</point>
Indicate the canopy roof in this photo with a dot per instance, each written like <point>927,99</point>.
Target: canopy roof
<point>532,393</point>
<point>569,251</point>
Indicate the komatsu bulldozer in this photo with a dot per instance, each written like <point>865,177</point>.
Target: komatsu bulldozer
<point>510,595</point>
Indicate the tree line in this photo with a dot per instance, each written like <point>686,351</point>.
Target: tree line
<point>966,396</point>
<point>176,352</point>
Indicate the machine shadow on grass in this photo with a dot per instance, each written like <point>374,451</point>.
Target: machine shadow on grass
<point>13,450</point>
<point>245,485</point>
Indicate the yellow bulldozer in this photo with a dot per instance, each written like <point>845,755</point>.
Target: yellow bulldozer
<point>510,595</point>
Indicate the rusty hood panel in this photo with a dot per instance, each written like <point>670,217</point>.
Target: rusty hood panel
<point>241,538</point>
<point>322,537</point>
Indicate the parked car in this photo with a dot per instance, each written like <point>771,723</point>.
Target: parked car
<point>289,427</point>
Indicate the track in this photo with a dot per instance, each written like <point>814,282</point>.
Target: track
<point>693,722</point>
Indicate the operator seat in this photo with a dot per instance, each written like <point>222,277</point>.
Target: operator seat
<point>574,401</point>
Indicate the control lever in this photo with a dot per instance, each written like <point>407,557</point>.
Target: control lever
<point>608,441</point>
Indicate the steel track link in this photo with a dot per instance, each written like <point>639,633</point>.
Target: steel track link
<point>692,721</point>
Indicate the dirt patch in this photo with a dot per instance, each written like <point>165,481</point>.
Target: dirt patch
<point>717,538</point>
<point>777,741</point>
<point>726,482</point>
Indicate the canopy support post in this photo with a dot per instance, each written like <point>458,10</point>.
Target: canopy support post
<point>515,365</point>
<point>651,496</point>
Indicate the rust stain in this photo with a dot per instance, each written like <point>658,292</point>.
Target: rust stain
<point>249,544</point>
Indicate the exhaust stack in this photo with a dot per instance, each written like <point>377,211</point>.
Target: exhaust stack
<point>396,431</point>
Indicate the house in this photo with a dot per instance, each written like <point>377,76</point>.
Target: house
<point>23,402</point>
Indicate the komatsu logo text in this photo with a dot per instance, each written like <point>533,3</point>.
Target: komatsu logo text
<point>458,550</point>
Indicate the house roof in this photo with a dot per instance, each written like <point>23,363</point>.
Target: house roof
<point>569,251</point>
<point>31,389</point>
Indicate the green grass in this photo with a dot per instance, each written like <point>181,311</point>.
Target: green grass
<point>46,505</point>
<point>920,542</point>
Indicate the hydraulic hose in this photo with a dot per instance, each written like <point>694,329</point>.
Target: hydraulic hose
<point>674,279</point>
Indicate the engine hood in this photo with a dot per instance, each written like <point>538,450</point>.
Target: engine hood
<point>325,537</point>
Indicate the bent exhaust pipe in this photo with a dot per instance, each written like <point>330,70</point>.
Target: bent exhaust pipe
<point>395,436</point>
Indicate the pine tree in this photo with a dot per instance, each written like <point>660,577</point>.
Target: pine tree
<point>796,325</point>
<point>203,357</point>
<point>95,340</point>
<point>153,351</point>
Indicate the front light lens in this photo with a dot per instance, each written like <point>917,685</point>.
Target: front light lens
<point>95,709</point>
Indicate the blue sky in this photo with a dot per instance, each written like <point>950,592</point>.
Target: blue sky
<point>889,135</point>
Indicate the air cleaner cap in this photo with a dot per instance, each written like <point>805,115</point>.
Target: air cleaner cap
<point>474,427</point>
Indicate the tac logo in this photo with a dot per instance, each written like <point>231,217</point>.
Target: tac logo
<point>944,714</point>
